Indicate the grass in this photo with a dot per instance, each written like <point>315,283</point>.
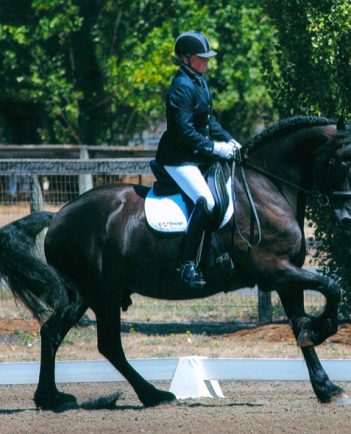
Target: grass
<point>221,307</point>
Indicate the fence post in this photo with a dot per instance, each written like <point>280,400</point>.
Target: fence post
<point>85,181</point>
<point>264,307</point>
<point>37,204</point>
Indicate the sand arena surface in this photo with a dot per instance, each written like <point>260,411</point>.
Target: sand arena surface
<point>248,407</point>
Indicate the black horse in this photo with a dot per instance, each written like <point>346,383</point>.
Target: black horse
<point>100,250</point>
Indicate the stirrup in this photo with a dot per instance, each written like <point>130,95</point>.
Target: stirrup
<point>225,263</point>
<point>193,278</point>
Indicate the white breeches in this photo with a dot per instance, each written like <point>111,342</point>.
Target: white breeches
<point>190,180</point>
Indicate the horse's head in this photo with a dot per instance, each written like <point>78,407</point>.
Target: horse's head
<point>338,176</point>
<point>308,153</point>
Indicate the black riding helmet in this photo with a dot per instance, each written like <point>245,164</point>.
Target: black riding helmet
<point>190,43</point>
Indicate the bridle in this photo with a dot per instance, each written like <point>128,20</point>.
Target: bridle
<point>326,189</point>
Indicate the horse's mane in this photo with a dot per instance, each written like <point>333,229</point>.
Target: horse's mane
<point>286,126</point>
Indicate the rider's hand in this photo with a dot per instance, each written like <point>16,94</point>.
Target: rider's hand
<point>236,145</point>
<point>224,150</point>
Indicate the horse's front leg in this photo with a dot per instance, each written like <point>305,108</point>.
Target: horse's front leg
<point>107,311</point>
<point>310,330</point>
<point>324,389</point>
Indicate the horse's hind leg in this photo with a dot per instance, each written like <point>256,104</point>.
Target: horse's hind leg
<point>47,397</point>
<point>324,389</point>
<point>107,313</point>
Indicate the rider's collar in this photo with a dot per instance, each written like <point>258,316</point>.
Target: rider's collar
<point>197,76</point>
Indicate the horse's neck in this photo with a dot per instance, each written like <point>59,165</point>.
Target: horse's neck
<point>291,157</point>
<point>277,159</point>
<point>288,161</point>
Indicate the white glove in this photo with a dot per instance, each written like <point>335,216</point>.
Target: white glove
<point>236,145</point>
<point>224,150</point>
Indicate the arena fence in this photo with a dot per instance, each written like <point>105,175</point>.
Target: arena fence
<point>31,184</point>
<point>199,370</point>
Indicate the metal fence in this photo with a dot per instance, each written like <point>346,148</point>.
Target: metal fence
<point>31,182</point>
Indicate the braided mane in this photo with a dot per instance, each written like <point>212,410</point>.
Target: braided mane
<point>284,127</point>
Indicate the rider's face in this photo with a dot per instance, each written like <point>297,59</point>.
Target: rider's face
<point>200,64</point>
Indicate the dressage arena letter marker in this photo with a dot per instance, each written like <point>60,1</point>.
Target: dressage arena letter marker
<point>189,380</point>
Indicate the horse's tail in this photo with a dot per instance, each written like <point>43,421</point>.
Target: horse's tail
<point>29,277</point>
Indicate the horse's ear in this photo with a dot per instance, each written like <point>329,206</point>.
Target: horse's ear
<point>341,123</point>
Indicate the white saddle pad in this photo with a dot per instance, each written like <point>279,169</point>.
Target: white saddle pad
<point>170,214</point>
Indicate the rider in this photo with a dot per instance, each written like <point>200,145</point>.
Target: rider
<point>193,138</point>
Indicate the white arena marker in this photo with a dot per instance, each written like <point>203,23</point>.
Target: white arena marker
<point>189,380</point>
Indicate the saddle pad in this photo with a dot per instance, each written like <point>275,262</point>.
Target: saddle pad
<point>166,213</point>
<point>170,214</point>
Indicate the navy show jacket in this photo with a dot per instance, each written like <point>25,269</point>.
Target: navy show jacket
<point>191,126</point>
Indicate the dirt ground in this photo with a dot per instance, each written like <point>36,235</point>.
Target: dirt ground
<point>248,407</point>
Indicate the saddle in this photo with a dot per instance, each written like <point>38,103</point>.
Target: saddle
<point>167,208</point>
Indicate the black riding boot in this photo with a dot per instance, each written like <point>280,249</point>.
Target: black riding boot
<point>187,272</point>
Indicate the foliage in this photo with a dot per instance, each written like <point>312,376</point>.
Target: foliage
<point>245,35</point>
<point>313,56</point>
<point>93,71</point>
<point>309,71</point>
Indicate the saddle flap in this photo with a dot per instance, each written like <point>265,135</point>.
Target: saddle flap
<point>217,183</point>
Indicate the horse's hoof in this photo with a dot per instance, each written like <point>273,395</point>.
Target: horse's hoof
<point>341,399</point>
<point>161,397</point>
<point>58,402</point>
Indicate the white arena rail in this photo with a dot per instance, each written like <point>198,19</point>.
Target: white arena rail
<point>164,369</point>
<point>191,377</point>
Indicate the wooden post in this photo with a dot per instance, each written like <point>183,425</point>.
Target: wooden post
<point>37,204</point>
<point>85,181</point>
<point>264,307</point>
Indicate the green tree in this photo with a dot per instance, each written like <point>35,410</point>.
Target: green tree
<point>309,71</point>
<point>244,34</point>
<point>93,71</point>
<point>313,56</point>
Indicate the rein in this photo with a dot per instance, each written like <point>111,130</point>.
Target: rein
<point>254,215</point>
<point>322,198</point>
<point>271,175</point>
